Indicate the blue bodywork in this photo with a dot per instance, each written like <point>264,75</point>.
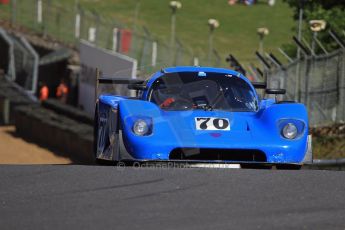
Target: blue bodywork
<point>259,131</point>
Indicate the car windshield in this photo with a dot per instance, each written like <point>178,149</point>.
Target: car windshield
<point>203,90</point>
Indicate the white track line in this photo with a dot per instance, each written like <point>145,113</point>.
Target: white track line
<point>214,165</point>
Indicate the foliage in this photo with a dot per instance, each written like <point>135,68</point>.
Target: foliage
<point>332,11</point>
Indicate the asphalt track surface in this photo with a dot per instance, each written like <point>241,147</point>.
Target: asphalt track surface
<point>108,197</point>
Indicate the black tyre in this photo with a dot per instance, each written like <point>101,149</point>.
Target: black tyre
<point>256,166</point>
<point>288,167</point>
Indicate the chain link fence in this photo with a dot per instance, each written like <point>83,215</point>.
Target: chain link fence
<point>72,24</point>
<point>316,81</point>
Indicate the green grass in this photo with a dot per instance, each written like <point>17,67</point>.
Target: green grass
<point>236,34</point>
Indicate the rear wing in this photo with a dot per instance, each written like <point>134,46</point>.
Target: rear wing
<point>133,84</point>
<point>259,85</point>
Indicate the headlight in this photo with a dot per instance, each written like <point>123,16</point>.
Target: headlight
<point>140,127</point>
<point>289,131</point>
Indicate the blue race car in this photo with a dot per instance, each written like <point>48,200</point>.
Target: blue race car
<point>200,114</point>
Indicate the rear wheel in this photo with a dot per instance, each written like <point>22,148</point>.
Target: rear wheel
<point>288,167</point>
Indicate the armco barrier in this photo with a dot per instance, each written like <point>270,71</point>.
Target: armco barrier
<point>50,129</point>
<point>323,164</point>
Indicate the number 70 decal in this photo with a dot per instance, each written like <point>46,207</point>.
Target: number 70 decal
<point>212,123</point>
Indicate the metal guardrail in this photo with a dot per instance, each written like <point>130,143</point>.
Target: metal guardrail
<point>325,164</point>
<point>22,61</point>
<point>10,57</point>
<point>35,62</point>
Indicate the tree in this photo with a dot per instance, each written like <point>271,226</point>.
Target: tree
<point>332,11</point>
<point>312,5</point>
